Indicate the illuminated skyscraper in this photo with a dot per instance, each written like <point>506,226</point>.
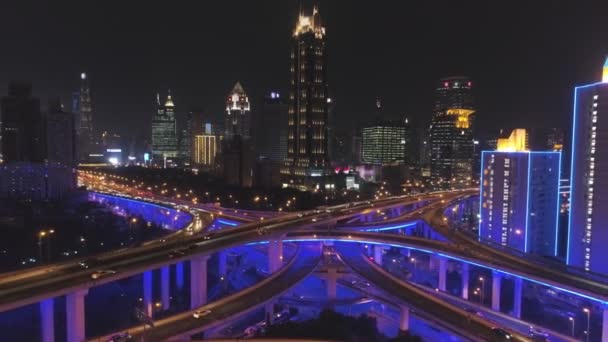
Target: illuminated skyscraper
<point>164,132</point>
<point>205,149</point>
<point>307,143</point>
<point>85,118</point>
<point>451,134</point>
<point>238,114</point>
<point>587,235</point>
<point>519,196</point>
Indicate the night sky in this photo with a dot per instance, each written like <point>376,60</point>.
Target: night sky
<point>524,56</point>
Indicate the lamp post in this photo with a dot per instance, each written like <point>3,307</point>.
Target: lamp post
<point>483,289</point>
<point>588,332</point>
<point>571,319</point>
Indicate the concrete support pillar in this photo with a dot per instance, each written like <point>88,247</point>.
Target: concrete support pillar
<point>47,320</point>
<point>179,275</point>
<point>378,251</point>
<point>496,285</point>
<point>404,319</point>
<point>165,287</point>
<point>75,316</point>
<point>443,273</point>
<point>465,281</point>
<point>517,291</point>
<point>604,323</point>
<point>275,254</point>
<point>332,284</point>
<point>198,281</point>
<point>221,267</point>
<point>269,308</point>
<point>148,306</point>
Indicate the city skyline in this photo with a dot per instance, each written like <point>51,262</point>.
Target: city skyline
<point>502,57</point>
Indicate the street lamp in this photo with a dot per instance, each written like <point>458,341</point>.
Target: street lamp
<point>588,332</point>
<point>571,319</point>
<point>483,288</point>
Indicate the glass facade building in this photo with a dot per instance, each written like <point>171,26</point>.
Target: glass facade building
<point>164,131</point>
<point>451,134</point>
<point>383,143</point>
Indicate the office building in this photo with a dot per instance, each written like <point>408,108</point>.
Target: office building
<point>238,114</point>
<point>555,139</point>
<point>205,150</point>
<point>587,236</point>
<point>451,134</point>
<point>39,150</point>
<point>194,127</point>
<point>238,162</point>
<point>22,125</point>
<point>164,132</point>
<point>61,135</point>
<point>383,143</point>
<point>271,128</point>
<point>307,143</point>
<point>519,196</point>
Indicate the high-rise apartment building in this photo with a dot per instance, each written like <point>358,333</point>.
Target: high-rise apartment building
<point>164,131</point>
<point>587,235</point>
<point>451,134</point>
<point>238,114</point>
<point>307,142</point>
<point>519,196</point>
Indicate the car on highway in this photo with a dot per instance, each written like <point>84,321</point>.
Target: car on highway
<point>88,263</point>
<point>201,313</point>
<point>502,334</point>
<point>176,254</point>
<point>538,334</point>
<point>122,337</point>
<point>473,311</point>
<point>102,273</point>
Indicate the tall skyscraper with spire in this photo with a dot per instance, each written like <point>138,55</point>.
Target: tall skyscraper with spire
<point>164,132</point>
<point>238,114</point>
<point>85,118</point>
<point>307,142</point>
<point>587,234</point>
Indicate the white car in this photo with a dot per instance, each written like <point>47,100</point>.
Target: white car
<point>201,313</point>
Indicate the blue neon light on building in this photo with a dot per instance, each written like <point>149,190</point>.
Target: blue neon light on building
<point>519,200</point>
<point>587,233</point>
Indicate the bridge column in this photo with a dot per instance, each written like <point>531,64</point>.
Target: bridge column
<point>404,319</point>
<point>47,320</point>
<point>496,285</point>
<point>378,251</point>
<point>198,281</point>
<point>75,316</point>
<point>179,275</point>
<point>165,287</point>
<point>221,259</point>
<point>275,255</point>
<point>148,307</point>
<point>269,309</point>
<point>443,272</point>
<point>465,281</point>
<point>332,283</point>
<point>517,290</point>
